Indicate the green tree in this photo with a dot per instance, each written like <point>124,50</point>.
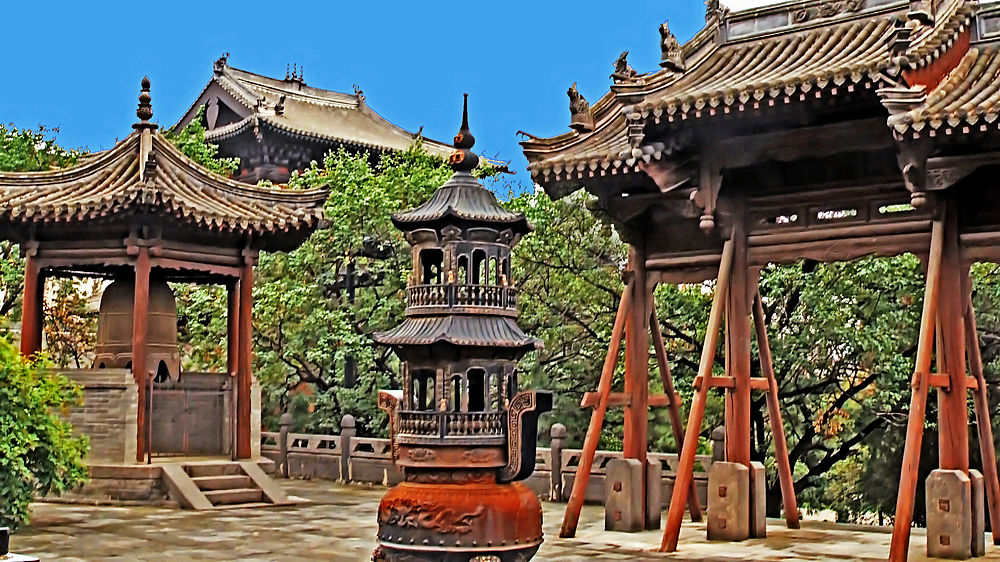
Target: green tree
<point>25,150</point>
<point>38,453</point>
<point>191,141</point>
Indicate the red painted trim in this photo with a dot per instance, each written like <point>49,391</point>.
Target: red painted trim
<point>933,74</point>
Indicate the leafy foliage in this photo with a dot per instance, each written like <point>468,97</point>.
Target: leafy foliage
<point>70,324</point>
<point>32,150</point>
<point>191,141</point>
<point>38,454</point>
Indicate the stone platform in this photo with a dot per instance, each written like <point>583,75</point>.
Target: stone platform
<point>337,522</point>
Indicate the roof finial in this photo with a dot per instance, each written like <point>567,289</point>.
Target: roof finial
<point>463,159</point>
<point>287,75</point>
<point>145,110</point>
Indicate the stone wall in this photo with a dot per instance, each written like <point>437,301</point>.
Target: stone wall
<point>348,458</point>
<point>108,413</point>
<point>139,484</point>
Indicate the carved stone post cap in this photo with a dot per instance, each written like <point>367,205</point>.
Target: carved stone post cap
<point>347,422</point>
<point>286,419</point>
<point>558,431</point>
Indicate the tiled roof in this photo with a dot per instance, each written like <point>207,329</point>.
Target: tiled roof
<point>817,57</point>
<point>970,95</point>
<point>172,184</point>
<point>462,197</point>
<point>480,331</point>
<point>310,112</point>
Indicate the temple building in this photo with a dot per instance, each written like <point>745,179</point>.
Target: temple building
<point>276,126</point>
<point>804,129</point>
<point>142,215</point>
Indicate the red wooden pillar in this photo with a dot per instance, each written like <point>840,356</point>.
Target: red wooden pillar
<point>232,326</point>
<point>635,438</point>
<point>918,400</point>
<point>140,309</point>
<point>31,305</point>
<point>244,358</point>
<point>738,364</point>
<point>953,409</point>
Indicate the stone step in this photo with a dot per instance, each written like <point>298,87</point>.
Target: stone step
<point>235,496</point>
<point>222,468</point>
<point>225,482</point>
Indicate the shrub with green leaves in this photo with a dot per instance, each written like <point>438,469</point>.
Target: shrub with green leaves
<point>38,453</point>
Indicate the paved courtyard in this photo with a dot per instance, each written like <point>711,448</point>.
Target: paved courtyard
<point>337,522</point>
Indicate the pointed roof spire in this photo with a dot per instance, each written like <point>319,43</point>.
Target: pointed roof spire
<point>145,110</point>
<point>463,159</point>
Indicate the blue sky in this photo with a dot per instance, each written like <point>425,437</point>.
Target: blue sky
<point>77,66</point>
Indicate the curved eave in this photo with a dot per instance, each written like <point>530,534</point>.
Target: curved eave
<point>968,98</point>
<point>462,331</point>
<point>748,74</point>
<point>112,184</point>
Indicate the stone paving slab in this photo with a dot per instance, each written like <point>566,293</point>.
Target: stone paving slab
<point>337,522</point>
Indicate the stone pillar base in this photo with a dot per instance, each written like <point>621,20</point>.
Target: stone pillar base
<point>623,495</point>
<point>728,502</point>
<point>758,500</point>
<point>953,518</point>
<point>654,493</point>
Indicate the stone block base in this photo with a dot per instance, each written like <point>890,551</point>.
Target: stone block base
<point>654,498</point>
<point>728,502</point>
<point>950,517</point>
<point>623,495</point>
<point>758,500</point>
<point>120,484</point>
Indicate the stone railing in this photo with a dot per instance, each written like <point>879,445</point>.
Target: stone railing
<point>348,458</point>
<point>495,296</point>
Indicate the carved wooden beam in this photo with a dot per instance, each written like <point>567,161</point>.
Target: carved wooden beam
<point>912,155</point>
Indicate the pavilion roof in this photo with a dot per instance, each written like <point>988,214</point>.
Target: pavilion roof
<point>743,62</point>
<point>165,181</point>
<point>462,198</point>
<point>307,112</point>
<point>969,96</point>
<point>462,330</point>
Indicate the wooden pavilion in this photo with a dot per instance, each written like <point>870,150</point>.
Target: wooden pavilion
<point>806,129</point>
<point>143,210</point>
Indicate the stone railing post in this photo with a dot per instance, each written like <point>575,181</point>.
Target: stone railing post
<point>347,431</point>
<point>558,433</point>
<point>285,426</point>
<point>719,444</point>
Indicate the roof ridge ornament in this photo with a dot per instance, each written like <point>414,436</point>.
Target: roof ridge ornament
<point>221,63</point>
<point>671,56</point>
<point>715,10</point>
<point>145,109</point>
<point>624,73</point>
<point>463,159</point>
<point>581,117</point>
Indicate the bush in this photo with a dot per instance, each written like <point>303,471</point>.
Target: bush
<point>38,453</point>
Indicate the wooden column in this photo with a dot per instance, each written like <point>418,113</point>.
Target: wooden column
<point>694,504</point>
<point>738,365</point>
<point>635,440</point>
<point>244,375</point>
<point>774,413</point>
<point>575,503</point>
<point>984,428</point>
<point>140,325</point>
<point>953,409</point>
<point>685,465</point>
<point>918,401</point>
<point>31,305</point>
<point>232,326</point>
